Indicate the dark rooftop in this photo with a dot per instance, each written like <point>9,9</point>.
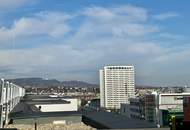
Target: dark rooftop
<point>24,110</point>
<point>115,121</point>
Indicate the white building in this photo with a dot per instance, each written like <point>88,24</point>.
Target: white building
<point>116,86</point>
<point>171,100</point>
<point>59,105</point>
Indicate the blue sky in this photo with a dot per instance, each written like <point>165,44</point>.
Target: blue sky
<point>73,39</point>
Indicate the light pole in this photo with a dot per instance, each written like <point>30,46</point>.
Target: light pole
<point>35,124</point>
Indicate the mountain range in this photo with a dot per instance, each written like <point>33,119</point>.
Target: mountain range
<point>40,82</point>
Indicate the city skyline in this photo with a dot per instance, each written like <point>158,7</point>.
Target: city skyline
<point>72,40</point>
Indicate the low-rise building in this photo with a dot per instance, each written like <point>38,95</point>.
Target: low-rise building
<point>155,107</point>
<point>150,107</point>
<point>135,109</point>
<point>94,104</point>
<point>125,110</point>
<point>164,104</point>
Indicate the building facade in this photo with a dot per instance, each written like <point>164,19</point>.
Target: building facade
<point>186,110</point>
<point>158,106</point>
<point>116,86</point>
<point>135,109</point>
<point>151,107</point>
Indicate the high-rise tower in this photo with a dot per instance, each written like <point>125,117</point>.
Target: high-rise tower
<point>116,86</point>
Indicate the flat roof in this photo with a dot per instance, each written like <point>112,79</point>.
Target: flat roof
<point>117,121</point>
<point>119,66</point>
<point>24,110</point>
<point>45,99</point>
<point>50,101</point>
<point>31,96</point>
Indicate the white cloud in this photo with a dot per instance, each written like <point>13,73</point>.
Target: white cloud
<point>115,35</point>
<point>172,36</point>
<point>134,29</point>
<point>53,24</point>
<point>166,15</point>
<point>133,12</point>
<point>121,21</point>
<point>128,13</point>
<point>99,12</point>
<point>5,35</point>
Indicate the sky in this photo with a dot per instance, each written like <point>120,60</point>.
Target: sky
<point>73,39</point>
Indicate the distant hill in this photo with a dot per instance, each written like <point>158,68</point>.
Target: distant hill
<point>40,82</point>
<point>75,83</point>
<point>147,86</point>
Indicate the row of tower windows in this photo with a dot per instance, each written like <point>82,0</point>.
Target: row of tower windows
<point>111,68</point>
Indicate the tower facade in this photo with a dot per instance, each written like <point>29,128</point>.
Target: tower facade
<point>117,85</point>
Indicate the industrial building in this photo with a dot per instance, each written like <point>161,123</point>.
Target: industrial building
<point>41,107</point>
<point>156,107</point>
<point>116,86</point>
